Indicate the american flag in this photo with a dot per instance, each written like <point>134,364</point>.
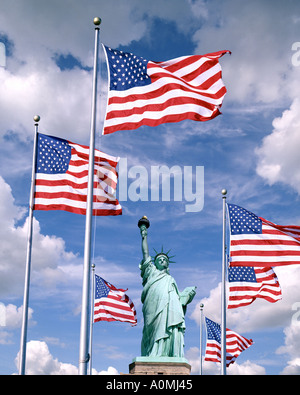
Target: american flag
<point>248,283</point>
<point>143,92</point>
<point>112,304</point>
<point>256,242</point>
<point>235,343</point>
<point>61,178</point>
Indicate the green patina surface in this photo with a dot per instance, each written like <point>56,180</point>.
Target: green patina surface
<point>164,306</point>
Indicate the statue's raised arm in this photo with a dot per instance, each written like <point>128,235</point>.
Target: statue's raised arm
<point>144,224</point>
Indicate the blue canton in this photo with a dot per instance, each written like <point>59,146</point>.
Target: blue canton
<point>101,289</point>
<point>241,273</point>
<point>53,155</point>
<point>243,221</point>
<point>213,330</point>
<point>126,70</point>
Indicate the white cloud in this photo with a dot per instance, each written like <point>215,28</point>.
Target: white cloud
<point>48,252</point>
<point>292,368</point>
<point>67,27</point>
<point>11,319</point>
<point>53,94</point>
<point>212,306</point>
<point>259,69</point>
<point>212,368</point>
<point>278,156</point>
<point>246,368</point>
<point>9,212</point>
<point>199,8</point>
<point>291,348</point>
<point>110,371</point>
<point>33,84</point>
<point>53,267</point>
<point>13,316</point>
<point>39,361</point>
<point>292,340</point>
<point>260,314</point>
<point>5,337</point>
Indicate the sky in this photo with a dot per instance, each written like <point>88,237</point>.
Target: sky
<point>251,149</point>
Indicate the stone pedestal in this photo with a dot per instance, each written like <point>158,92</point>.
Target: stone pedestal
<point>160,365</point>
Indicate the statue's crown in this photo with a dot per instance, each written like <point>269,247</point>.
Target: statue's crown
<point>166,254</point>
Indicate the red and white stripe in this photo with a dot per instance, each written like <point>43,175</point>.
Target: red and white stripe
<point>276,246</point>
<point>189,87</point>
<point>116,306</point>
<point>235,344</point>
<point>243,293</point>
<point>68,191</point>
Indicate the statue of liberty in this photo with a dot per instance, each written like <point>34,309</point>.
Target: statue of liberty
<point>164,306</point>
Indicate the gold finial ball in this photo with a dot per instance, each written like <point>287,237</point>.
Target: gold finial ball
<point>144,221</point>
<point>97,21</point>
<point>224,191</point>
<point>36,118</point>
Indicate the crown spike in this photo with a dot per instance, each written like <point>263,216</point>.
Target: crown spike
<point>163,253</point>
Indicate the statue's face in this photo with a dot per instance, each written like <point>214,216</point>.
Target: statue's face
<point>162,262</point>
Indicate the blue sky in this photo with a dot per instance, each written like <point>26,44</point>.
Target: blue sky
<point>251,149</point>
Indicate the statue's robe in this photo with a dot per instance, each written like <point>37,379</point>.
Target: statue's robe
<point>164,324</point>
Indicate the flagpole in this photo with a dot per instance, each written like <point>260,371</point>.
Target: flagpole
<point>223,291</point>
<point>23,340</point>
<point>92,318</point>
<point>201,336</point>
<point>85,307</point>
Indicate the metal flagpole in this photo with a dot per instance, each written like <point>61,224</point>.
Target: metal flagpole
<point>85,307</point>
<point>223,297</point>
<point>92,318</point>
<point>23,340</point>
<point>201,336</point>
